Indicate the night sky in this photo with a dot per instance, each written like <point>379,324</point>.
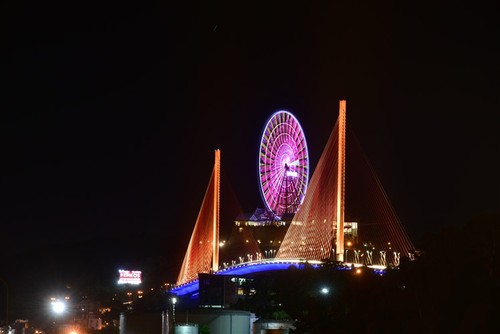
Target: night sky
<point>110,113</point>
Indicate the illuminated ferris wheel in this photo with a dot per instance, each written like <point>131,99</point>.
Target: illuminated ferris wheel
<point>283,164</point>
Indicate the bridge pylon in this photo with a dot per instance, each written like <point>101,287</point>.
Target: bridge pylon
<point>339,244</point>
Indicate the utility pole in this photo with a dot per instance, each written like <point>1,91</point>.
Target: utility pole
<point>6,301</point>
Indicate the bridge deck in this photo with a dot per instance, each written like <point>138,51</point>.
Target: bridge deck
<point>254,267</point>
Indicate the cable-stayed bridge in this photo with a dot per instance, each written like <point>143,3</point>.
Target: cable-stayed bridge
<point>345,216</point>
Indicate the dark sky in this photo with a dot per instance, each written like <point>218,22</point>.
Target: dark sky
<point>110,112</point>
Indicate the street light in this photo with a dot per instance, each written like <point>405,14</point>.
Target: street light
<point>174,300</point>
<point>58,307</point>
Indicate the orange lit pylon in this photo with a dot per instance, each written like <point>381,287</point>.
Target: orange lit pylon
<point>202,255</point>
<point>317,229</point>
<point>216,216</point>
<point>339,247</point>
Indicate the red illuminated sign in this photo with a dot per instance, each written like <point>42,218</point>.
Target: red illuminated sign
<point>130,277</point>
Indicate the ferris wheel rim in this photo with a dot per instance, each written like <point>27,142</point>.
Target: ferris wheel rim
<point>290,148</point>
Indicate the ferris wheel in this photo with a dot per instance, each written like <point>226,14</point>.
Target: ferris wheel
<point>283,164</point>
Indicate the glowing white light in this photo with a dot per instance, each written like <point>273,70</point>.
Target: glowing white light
<point>58,307</point>
<point>292,173</point>
<point>325,291</point>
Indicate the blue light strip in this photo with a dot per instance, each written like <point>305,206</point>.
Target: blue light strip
<point>186,288</point>
<point>257,267</point>
<point>244,269</point>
